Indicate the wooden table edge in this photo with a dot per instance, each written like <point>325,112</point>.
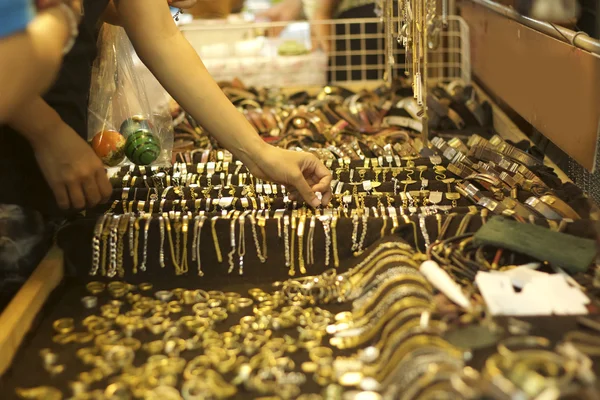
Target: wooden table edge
<point>16,320</point>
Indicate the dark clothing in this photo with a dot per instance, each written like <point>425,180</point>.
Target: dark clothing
<point>362,67</point>
<point>21,181</point>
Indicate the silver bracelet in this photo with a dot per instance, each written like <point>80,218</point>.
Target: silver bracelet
<point>73,27</point>
<point>424,230</point>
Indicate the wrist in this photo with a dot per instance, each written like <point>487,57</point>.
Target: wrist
<point>38,131</point>
<point>251,149</point>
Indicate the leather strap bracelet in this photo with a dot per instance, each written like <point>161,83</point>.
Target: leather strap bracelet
<point>487,154</point>
<point>518,155</point>
<point>443,110</point>
<point>542,208</point>
<point>476,140</point>
<point>409,104</point>
<point>458,145</point>
<point>461,170</point>
<point>493,205</point>
<point>469,191</point>
<point>560,206</point>
<point>404,122</point>
<point>518,208</point>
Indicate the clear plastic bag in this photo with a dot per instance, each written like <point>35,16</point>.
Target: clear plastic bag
<point>128,114</point>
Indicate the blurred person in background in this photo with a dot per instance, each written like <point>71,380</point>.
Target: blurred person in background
<point>318,11</point>
<point>32,44</point>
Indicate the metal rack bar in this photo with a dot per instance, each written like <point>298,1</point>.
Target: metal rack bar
<point>577,39</point>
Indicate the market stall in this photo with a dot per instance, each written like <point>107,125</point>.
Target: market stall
<point>455,261</point>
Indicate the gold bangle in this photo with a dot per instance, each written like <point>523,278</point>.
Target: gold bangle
<point>320,355</point>
<point>154,347</point>
<point>586,343</point>
<point>64,338</point>
<point>95,287</point>
<point>64,325</point>
<point>507,346</point>
<point>244,302</point>
<point>145,286</point>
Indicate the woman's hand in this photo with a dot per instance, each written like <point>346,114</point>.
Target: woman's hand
<point>286,11</point>
<point>74,172</point>
<point>302,173</point>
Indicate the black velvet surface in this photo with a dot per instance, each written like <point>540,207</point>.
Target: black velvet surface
<point>27,369</point>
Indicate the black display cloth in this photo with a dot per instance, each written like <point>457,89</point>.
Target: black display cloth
<point>27,369</point>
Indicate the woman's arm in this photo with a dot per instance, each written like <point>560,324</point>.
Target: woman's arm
<point>111,16</point>
<point>30,59</point>
<point>73,171</point>
<point>175,63</point>
<point>322,32</point>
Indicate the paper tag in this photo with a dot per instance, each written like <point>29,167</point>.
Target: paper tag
<point>267,188</point>
<point>339,188</point>
<point>541,294</point>
<point>397,160</point>
<point>347,199</point>
<point>367,186</point>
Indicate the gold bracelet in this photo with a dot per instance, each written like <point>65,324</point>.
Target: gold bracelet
<point>383,225</point>
<point>170,237</point>
<point>310,250</point>
<point>122,230</point>
<point>242,242</point>
<point>213,221</point>
<point>184,231</point>
<point>301,228</point>
<point>408,221</point>
<point>136,244</point>
<point>105,234</point>
<point>336,258</point>
<point>507,346</point>
<point>286,240</point>
<point>292,270</point>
